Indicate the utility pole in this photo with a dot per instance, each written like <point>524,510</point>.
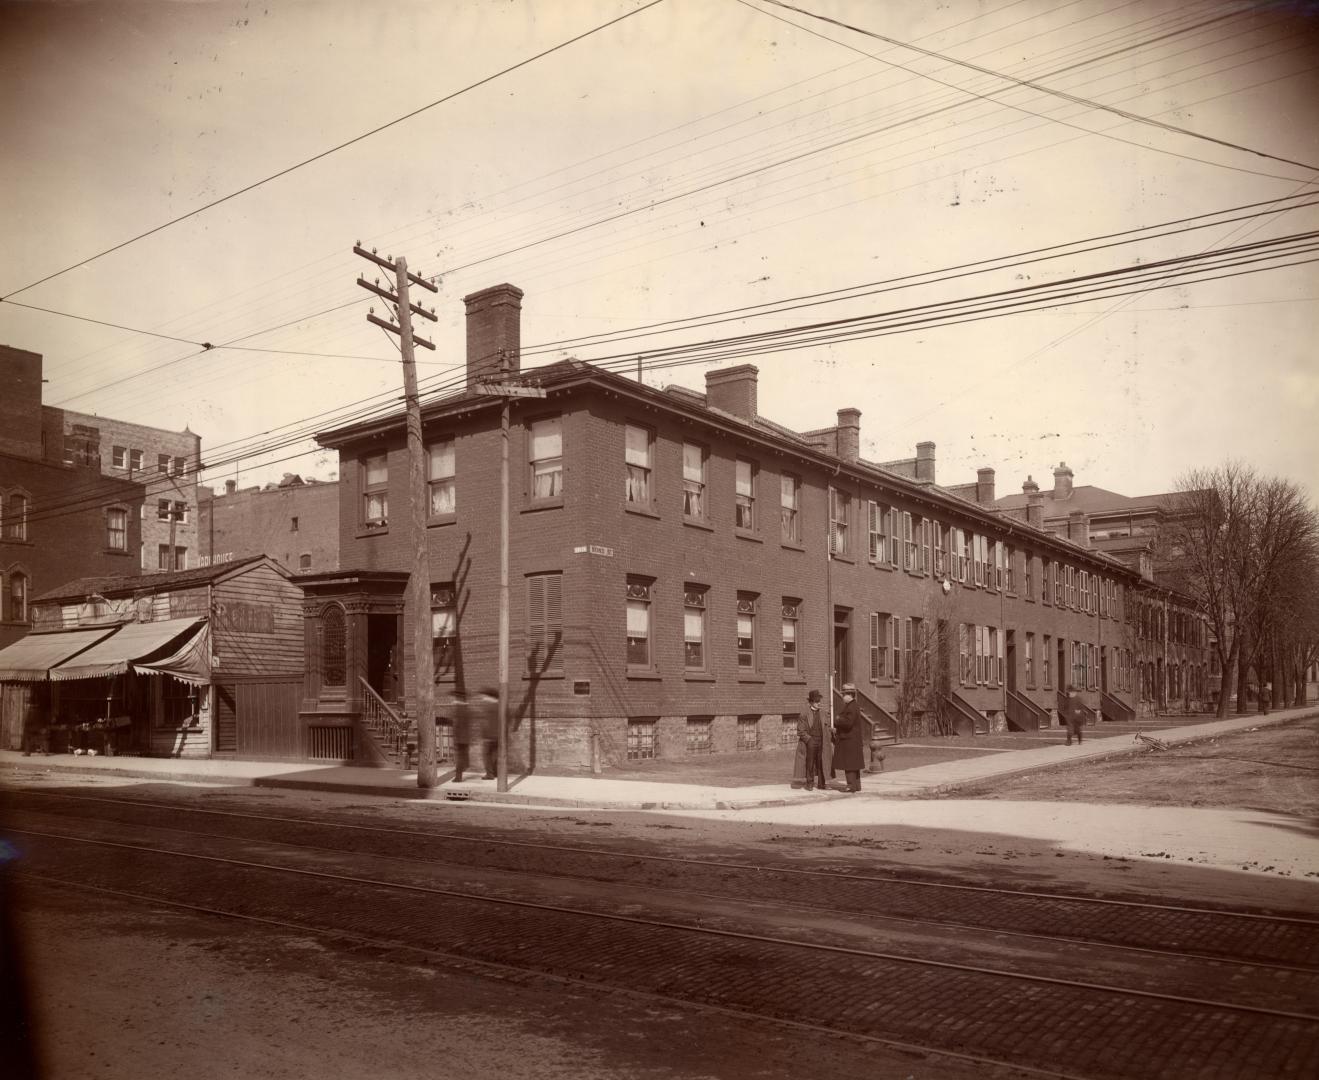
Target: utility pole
<point>505,391</point>
<point>423,665</point>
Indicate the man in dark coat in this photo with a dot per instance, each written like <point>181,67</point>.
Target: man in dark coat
<point>809,767</point>
<point>1074,716</point>
<point>462,735</point>
<point>488,712</point>
<point>849,729</point>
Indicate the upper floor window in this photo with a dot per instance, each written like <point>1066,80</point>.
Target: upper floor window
<point>746,631</point>
<point>116,529</point>
<point>304,561</point>
<point>180,466</point>
<point>17,597</point>
<point>1030,576</point>
<point>544,621</point>
<point>925,526</point>
<point>978,557</point>
<point>876,515</point>
<point>790,507</point>
<point>909,547</point>
<point>791,610</point>
<point>375,491</point>
<point>693,627</point>
<point>442,497</point>
<point>1071,586</point>
<point>162,463</point>
<point>545,451</point>
<point>879,637</point>
<point>638,622</point>
<point>118,457</point>
<point>964,544</point>
<point>840,514</point>
<point>293,523</point>
<point>444,629</point>
<point>638,455</point>
<point>693,480</point>
<point>15,517</point>
<point>162,509</point>
<point>1059,588</point>
<point>744,494</point>
<point>135,460</point>
<point>940,561</point>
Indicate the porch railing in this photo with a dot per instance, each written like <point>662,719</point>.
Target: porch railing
<point>1086,711</point>
<point>393,736</point>
<point>966,720</point>
<point>1024,714</point>
<point>881,725</point>
<point>1115,710</point>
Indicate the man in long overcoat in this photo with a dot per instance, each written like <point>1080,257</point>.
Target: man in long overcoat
<point>849,729</point>
<point>1074,716</point>
<point>808,767</point>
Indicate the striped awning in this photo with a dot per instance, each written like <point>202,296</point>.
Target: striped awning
<point>134,642</point>
<point>29,659</point>
<point>190,662</point>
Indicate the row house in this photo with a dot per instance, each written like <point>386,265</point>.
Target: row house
<point>683,570</point>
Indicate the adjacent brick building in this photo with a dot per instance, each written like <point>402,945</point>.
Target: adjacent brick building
<point>295,521</point>
<point>683,570</point>
<point>60,516</point>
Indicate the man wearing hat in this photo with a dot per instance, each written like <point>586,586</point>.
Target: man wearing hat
<point>809,767</point>
<point>848,730</point>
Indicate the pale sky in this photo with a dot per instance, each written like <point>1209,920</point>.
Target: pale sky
<point>117,117</point>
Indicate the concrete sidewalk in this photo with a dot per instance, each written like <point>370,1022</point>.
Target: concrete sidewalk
<point>601,792</point>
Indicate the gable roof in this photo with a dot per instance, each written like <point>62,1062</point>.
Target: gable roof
<point>164,581</point>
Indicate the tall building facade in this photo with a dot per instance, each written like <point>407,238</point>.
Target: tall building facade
<point>61,516</point>
<point>683,570</point>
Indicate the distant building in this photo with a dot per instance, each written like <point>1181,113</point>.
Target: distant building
<point>60,515</point>
<point>165,460</point>
<point>295,521</point>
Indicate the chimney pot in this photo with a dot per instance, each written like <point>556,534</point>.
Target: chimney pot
<point>733,390</point>
<point>494,333</point>
<point>849,434</point>
<point>985,486</point>
<point>1062,481</point>
<point>230,486</point>
<point>1035,509</point>
<point>1078,527</point>
<point>925,462</point>
<point>1030,485</point>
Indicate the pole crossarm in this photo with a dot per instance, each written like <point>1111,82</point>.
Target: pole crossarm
<point>414,308</point>
<point>392,268</point>
<point>374,318</point>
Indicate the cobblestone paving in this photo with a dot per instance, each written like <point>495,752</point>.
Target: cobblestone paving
<point>1053,1027</point>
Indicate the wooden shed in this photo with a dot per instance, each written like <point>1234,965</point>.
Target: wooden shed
<point>189,663</point>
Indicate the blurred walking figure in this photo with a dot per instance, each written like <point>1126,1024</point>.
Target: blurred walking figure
<point>808,766</point>
<point>1075,716</point>
<point>462,734</point>
<point>487,708</point>
<point>848,728</point>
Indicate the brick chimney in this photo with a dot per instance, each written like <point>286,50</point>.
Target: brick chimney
<point>20,404</point>
<point>230,486</point>
<point>1035,508</point>
<point>1078,527</point>
<point>733,390</point>
<point>1062,482</point>
<point>494,332</point>
<point>1029,486</point>
<point>849,434</point>
<point>985,486</point>
<point>925,462</point>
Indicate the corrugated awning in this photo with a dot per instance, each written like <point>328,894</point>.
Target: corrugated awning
<point>134,642</point>
<point>29,659</point>
<point>190,662</point>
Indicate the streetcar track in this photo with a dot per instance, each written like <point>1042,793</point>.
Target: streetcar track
<point>703,863</point>
<point>683,928</point>
<point>774,905</point>
<point>507,970</point>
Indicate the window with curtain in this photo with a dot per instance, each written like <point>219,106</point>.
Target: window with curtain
<point>441,472</point>
<point>375,491</point>
<point>746,631</point>
<point>789,507</point>
<point>638,450</point>
<point>638,622</point>
<point>693,480</point>
<point>693,627</point>
<point>545,447</point>
<point>791,613</point>
<point>116,529</point>
<point>444,629</point>
<point>744,494</point>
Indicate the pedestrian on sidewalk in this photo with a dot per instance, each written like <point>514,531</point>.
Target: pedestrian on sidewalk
<point>848,727</point>
<point>1074,715</point>
<point>808,765</point>
<point>488,711</point>
<point>462,735</point>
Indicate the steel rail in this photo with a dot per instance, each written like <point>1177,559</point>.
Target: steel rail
<point>781,904</point>
<point>499,968</point>
<point>632,920</point>
<point>1293,920</point>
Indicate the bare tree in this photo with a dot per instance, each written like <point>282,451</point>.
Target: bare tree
<point>1232,542</point>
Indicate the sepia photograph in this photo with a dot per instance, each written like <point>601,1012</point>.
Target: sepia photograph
<point>659,539</point>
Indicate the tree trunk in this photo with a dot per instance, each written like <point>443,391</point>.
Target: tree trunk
<point>1225,677</point>
<point>1243,679</point>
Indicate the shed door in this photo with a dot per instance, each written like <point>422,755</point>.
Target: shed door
<point>15,701</point>
<point>226,719</point>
